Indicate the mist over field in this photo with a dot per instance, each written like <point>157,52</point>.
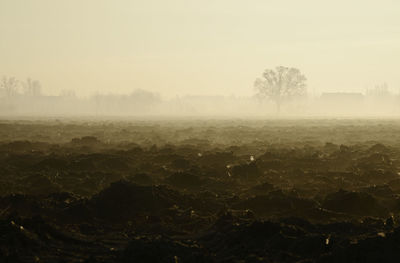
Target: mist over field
<point>141,103</point>
<point>199,131</point>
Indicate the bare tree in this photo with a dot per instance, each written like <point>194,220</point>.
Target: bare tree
<point>10,86</point>
<point>281,84</point>
<point>32,88</point>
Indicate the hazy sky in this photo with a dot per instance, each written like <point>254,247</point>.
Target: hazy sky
<point>179,47</point>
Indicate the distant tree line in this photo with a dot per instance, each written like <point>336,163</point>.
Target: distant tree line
<point>27,97</point>
<point>11,87</point>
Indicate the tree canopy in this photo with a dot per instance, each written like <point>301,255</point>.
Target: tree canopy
<point>281,84</point>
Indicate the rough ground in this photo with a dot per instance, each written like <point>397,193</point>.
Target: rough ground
<point>200,191</point>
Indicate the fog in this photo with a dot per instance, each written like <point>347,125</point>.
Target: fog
<point>142,103</point>
<point>183,58</point>
<point>199,131</point>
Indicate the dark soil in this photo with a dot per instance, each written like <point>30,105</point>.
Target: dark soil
<point>200,191</point>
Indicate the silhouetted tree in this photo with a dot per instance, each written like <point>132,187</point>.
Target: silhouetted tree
<point>9,86</point>
<point>32,88</point>
<point>143,100</point>
<point>281,84</point>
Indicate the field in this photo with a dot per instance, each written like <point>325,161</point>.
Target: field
<point>120,190</point>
